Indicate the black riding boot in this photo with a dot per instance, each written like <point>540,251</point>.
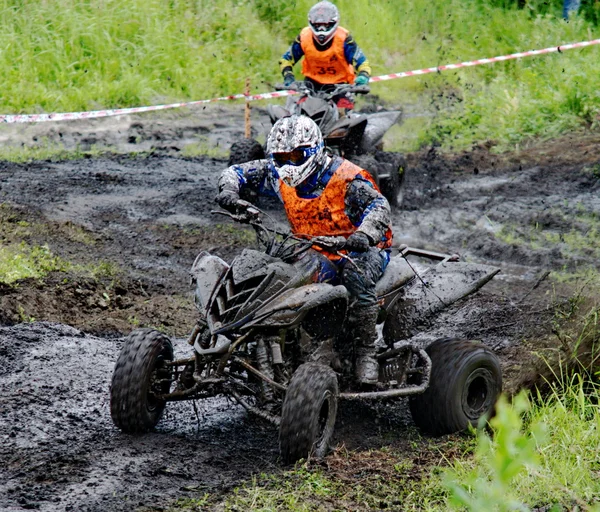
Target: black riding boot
<point>363,321</point>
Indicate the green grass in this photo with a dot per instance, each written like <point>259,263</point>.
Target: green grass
<point>23,261</point>
<point>59,56</point>
<point>541,452</point>
<point>573,230</point>
<point>24,254</point>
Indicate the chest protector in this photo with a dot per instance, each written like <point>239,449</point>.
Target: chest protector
<point>325,215</point>
<point>328,66</point>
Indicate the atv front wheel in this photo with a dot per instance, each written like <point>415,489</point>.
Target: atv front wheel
<point>465,383</point>
<point>140,375</point>
<point>308,413</point>
<point>245,150</point>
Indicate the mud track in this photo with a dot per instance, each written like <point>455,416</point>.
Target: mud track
<point>146,217</point>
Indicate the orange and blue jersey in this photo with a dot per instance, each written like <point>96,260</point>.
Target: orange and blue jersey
<point>323,70</point>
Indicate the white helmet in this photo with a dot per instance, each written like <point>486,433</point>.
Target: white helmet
<point>295,148</point>
<point>323,19</point>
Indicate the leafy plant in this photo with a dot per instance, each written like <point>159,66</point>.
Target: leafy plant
<point>488,486</point>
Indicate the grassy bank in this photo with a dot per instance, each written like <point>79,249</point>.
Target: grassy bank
<point>541,454</point>
<point>68,55</point>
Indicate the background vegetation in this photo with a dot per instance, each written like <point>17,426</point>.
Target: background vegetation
<point>71,55</point>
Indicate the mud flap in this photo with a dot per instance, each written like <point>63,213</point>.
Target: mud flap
<point>437,289</point>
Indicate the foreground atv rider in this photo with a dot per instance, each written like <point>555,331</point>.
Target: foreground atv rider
<point>331,56</point>
<point>324,195</point>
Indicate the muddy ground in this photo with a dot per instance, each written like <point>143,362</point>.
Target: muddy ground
<point>133,224</point>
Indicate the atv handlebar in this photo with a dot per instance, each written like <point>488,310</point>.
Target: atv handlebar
<point>247,213</point>
<point>302,87</point>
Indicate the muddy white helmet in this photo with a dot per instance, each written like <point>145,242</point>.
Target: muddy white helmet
<point>295,148</point>
<point>323,19</point>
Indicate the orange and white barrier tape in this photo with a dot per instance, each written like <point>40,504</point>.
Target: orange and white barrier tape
<point>40,118</point>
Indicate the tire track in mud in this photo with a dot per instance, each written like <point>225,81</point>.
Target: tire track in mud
<point>58,447</point>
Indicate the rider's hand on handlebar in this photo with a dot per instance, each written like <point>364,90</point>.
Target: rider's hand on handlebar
<point>358,242</point>
<point>288,79</point>
<point>329,243</point>
<point>361,79</point>
<point>228,199</point>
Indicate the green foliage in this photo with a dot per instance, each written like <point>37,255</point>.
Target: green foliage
<point>541,454</point>
<point>489,485</point>
<point>22,261</point>
<point>59,56</point>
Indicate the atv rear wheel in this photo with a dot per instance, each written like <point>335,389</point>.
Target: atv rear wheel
<point>140,375</point>
<point>465,383</point>
<point>245,150</point>
<point>308,413</point>
<point>391,187</point>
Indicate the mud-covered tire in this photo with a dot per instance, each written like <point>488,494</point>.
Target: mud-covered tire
<point>392,187</point>
<point>133,407</point>
<point>465,383</point>
<point>308,413</point>
<point>245,150</point>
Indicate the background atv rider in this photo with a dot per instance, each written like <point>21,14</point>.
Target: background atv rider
<point>331,56</point>
<point>324,195</point>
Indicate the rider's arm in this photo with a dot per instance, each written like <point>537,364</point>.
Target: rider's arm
<point>251,176</point>
<point>356,57</point>
<point>368,209</point>
<point>289,58</point>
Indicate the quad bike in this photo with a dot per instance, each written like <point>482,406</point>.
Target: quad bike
<point>357,136</point>
<point>269,336</point>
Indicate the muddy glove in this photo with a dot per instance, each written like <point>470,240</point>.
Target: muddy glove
<point>288,79</point>
<point>358,242</point>
<point>361,79</point>
<point>228,200</point>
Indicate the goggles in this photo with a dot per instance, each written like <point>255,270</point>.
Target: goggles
<point>323,27</point>
<point>296,157</point>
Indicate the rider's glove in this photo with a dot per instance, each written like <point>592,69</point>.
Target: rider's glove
<point>288,79</point>
<point>361,79</point>
<point>358,242</point>
<point>228,200</point>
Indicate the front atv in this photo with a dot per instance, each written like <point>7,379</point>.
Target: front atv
<point>268,337</point>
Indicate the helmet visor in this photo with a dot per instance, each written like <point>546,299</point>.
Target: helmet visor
<point>296,157</point>
<point>322,28</point>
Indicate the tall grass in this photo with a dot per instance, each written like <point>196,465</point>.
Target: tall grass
<point>71,55</point>
<point>548,460</point>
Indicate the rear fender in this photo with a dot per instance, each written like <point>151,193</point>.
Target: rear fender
<point>378,124</point>
<point>293,305</point>
<point>206,273</point>
<point>435,290</point>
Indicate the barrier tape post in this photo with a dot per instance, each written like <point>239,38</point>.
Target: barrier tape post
<point>247,111</point>
<point>40,118</point>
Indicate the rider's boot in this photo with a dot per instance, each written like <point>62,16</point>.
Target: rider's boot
<point>363,322</point>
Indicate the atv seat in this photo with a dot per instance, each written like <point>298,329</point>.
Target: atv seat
<point>397,273</point>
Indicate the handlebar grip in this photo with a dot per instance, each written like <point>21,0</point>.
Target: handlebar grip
<point>361,89</point>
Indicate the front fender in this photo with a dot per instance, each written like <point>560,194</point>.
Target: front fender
<point>291,306</point>
<point>206,273</point>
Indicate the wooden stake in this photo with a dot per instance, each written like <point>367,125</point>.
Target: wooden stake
<point>247,111</point>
